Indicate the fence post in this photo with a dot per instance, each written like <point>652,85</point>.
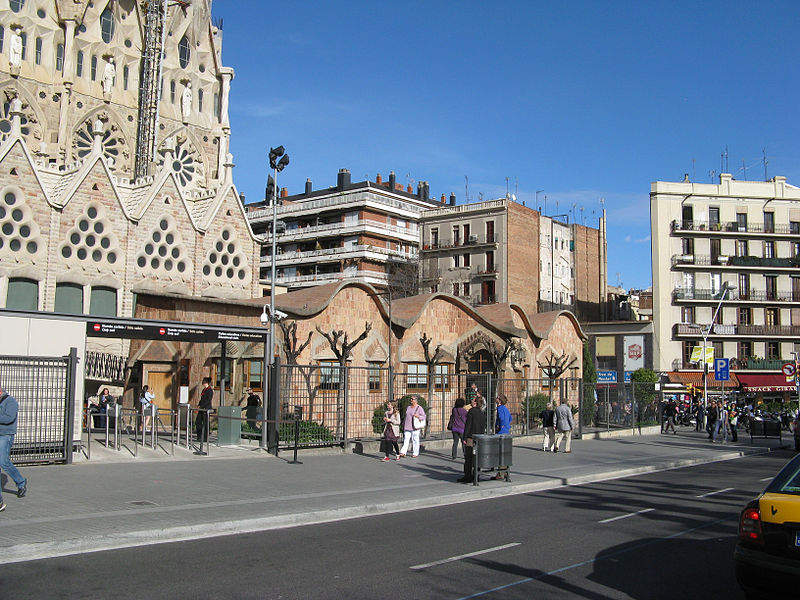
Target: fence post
<point>273,408</point>
<point>581,394</point>
<point>345,401</point>
<point>69,421</point>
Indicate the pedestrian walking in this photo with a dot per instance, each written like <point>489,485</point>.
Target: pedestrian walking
<point>565,423</point>
<point>475,424</point>
<point>147,402</point>
<point>391,431</point>
<point>9,409</point>
<point>548,417</point>
<point>472,393</point>
<point>252,408</point>
<point>721,425</point>
<point>670,410</point>
<point>502,423</point>
<point>458,418</point>
<point>733,419</point>
<point>412,424</point>
<point>201,422</point>
<point>699,414</point>
<point>713,413</point>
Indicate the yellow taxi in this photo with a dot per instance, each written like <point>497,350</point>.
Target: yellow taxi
<point>768,552</point>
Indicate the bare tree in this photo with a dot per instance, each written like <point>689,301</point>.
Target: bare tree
<point>431,360</point>
<point>555,367</point>
<point>292,351</point>
<point>499,355</point>
<point>403,279</point>
<point>342,348</point>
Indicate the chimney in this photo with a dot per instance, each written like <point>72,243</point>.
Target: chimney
<point>308,186</point>
<point>443,199</point>
<point>420,189</point>
<point>241,198</point>
<point>378,179</point>
<point>392,181</point>
<point>426,190</point>
<point>284,192</point>
<point>452,199</point>
<point>343,179</point>
<point>409,189</point>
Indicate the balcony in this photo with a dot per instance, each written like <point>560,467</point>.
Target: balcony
<point>313,232</point>
<point>489,272</point>
<point>337,202</point>
<point>706,295</point>
<point>320,278</point>
<point>693,330</point>
<point>482,300</point>
<point>471,240</point>
<point>739,364</point>
<point>732,227</point>
<point>755,262</point>
<point>431,275</point>
<point>338,253</point>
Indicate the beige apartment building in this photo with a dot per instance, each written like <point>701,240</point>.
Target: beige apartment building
<point>744,235</point>
<point>500,251</point>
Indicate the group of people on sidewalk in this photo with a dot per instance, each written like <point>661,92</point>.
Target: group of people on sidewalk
<point>468,419</point>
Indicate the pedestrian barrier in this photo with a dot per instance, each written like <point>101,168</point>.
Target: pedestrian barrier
<point>765,430</point>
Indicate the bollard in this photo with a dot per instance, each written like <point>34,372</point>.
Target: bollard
<point>298,416</point>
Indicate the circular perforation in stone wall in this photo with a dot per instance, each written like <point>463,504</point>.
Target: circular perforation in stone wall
<point>91,240</point>
<point>19,233</point>
<point>226,261</point>
<point>163,253</point>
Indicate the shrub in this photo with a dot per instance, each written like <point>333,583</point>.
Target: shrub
<point>405,402</point>
<point>533,405</point>
<point>378,424</point>
<point>310,432</point>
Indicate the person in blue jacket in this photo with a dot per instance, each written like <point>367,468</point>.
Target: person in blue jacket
<point>8,429</point>
<point>502,425</point>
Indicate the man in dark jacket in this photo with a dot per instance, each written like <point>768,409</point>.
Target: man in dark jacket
<point>476,424</point>
<point>201,423</point>
<point>8,429</point>
<point>548,417</point>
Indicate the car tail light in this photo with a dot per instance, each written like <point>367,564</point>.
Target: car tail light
<point>750,525</point>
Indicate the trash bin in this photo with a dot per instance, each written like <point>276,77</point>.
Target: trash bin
<point>229,432</point>
<point>493,451</point>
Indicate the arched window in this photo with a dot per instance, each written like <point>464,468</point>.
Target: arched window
<point>184,52</point>
<point>24,37</point>
<point>59,57</point>
<point>107,24</point>
<point>38,56</point>
<point>79,65</point>
<point>103,302</point>
<point>94,68</point>
<point>16,5</point>
<point>23,294</point>
<point>2,35</point>
<point>125,77</point>
<point>172,91</point>
<point>69,298</point>
<point>200,100</point>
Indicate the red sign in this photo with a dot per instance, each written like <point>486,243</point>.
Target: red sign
<point>634,352</point>
<point>162,331</point>
<point>97,326</point>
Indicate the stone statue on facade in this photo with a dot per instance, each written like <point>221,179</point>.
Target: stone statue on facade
<point>186,101</point>
<point>15,48</point>
<point>109,75</point>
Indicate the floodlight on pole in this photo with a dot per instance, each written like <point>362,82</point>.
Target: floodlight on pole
<point>705,331</point>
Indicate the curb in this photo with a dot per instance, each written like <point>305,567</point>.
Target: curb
<point>25,552</point>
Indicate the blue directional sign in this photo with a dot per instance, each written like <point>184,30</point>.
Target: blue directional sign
<point>628,376</point>
<point>606,377</point>
<point>722,369</point>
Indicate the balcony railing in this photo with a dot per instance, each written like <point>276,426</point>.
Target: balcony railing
<point>483,300</point>
<point>740,364</point>
<point>734,227</point>
<point>695,330</point>
<point>738,295</point>
<point>490,271</point>
<point>338,253</point>
<point>471,240</point>
<point>289,280</point>
<point>339,200</point>
<point>343,228</point>
<point>705,260</point>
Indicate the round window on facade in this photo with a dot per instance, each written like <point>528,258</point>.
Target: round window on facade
<point>141,261</point>
<point>14,245</point>
<point>25,231</point>
<point>148,249</point>
<point>81,253</point>
<point>181,266</point>
<point>10,199</point>
<point>16,214</point>
<point>32,247</point>
<point>75,239</point>
<point>112,257</point>
<point>92,212</point>
<point>8,228</point>
<point>164,225</point>
<point>175,253</point>
<point>184,52</point>
<point>98,227</point>
<point>226,234</point>
<point>83,225</point>
<point>105,243</point>
<point>66,252</point>
<point>156,236</point>
<point>107,25</point>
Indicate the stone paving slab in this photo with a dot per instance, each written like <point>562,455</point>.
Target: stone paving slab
<point>104,504</point>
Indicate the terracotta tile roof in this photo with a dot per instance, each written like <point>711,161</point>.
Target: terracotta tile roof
<point>696,379</point>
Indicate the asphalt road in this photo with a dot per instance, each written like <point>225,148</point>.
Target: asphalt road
<point>662,535</point>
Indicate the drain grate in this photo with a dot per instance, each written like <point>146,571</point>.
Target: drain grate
<point>142,503</point>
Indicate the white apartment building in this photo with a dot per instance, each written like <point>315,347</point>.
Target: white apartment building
<point>556,268</point>
<point>745,234</point>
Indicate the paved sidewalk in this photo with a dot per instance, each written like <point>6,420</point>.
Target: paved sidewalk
<point>116,501</point>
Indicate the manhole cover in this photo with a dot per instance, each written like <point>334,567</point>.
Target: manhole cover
<point>142,503</point>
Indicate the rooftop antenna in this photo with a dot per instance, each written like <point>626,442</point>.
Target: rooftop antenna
<point>480,196</point>
<point>766,162</point>
<point>466,189</point>
<point>694,170</point>
<point>712,173</point>
<point>507,194</point>
<point>744,169</point>
<point>619,281</point>
<point>573,211</point>
<point>723,161</point>
<point>583,219</point>
<point>516,186</point>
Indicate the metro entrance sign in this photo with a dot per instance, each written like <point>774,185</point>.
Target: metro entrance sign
<point>154,330</point>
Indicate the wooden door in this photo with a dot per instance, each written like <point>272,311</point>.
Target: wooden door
<point>161,384</point>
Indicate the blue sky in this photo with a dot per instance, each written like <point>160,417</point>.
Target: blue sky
<point>584,100</point>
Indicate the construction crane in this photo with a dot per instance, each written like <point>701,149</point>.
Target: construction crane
<point>150,86</point>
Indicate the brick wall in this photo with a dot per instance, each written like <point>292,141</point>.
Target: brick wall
<point>523,257</point>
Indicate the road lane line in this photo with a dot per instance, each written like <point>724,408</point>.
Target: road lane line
<point>633,514</point>
<point>593,560</point>
<point>766,479</point>
<point>714,492</point>
<point>455,558</point>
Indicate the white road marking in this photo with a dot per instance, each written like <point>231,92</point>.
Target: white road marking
<point>766,479</point>
<point>714,492</point>
<point>455,558</point>
<point>633,514</point>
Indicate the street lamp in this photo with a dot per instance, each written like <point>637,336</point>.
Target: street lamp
<point>705,330</point>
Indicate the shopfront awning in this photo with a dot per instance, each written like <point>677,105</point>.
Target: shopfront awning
<point>695,378</point>
<point>765,382</point>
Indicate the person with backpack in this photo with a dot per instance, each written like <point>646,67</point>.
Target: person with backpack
<point>9,409</point>
<point>670,410</point>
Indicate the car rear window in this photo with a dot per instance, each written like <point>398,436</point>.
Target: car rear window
<point>788,480</point>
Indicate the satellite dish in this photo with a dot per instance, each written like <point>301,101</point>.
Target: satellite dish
<point>514,197</point>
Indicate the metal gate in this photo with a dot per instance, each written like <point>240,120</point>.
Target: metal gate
<point>44,389</point>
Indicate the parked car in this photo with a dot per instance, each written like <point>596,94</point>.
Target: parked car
<point>767,554</point>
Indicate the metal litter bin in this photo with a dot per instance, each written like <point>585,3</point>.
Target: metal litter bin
<point>493,451</point>
<point>229,431</point>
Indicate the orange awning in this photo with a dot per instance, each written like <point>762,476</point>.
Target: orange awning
<point>695,378</point>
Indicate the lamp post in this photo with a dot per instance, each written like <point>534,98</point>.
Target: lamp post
<point>705,330</point>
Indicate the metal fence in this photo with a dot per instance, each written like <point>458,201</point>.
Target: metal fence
<point>342,404</point>
<point>43,387</point>
<point>620,405</point>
